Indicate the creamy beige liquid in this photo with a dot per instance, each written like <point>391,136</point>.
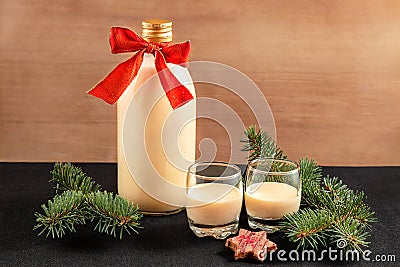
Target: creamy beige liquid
<point>271,200</point>
<point>213,203</point>
<point>152,164</point>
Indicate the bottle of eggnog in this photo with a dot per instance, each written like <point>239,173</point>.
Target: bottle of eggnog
<point>156,143</point>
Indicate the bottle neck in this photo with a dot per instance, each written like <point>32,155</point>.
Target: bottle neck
<point>157,41</point>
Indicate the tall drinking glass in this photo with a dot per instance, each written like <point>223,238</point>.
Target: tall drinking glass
<point>273,189</point>
<point>214,196</point>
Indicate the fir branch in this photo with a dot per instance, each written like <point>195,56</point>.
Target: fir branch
<point>68,177</point>
<point>365,215</point>
<point>113,212</point>
<point>307,227</point>
<point>352,232</point>
<point>63,212</point>
<point>348,218</point>
<point>334,211</point>
<point>345,202</point>
<point>260,144</point>
<point>334,186</point>
<point>82,200</point>
<point>310,174</point>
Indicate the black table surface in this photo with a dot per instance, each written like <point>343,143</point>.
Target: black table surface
<point>167,240</point>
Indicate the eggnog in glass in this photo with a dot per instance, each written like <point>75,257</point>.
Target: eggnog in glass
<point>214,196</point>
<point>273,190</point>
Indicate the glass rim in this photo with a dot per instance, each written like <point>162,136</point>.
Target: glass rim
<point>293,163</point>
<point>215,163</point>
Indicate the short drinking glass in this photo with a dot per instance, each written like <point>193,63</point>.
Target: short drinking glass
<point>273,189</point>
<point>214,194</point>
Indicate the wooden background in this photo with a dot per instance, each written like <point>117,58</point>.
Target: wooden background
<point>329,69</point>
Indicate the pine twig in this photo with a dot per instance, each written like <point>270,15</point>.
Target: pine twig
<point>68,177</point>
<point>63,212</point>
<point>348,218</point>
<point>113,212</point>
<point>81,200</point>
<point>352,232</point>
<point>308,227</point>
<point>310,174</point>
<point>260,144</point>
<point>333,211</point>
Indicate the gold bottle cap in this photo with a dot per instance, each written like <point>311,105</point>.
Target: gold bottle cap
<point>157,30</point>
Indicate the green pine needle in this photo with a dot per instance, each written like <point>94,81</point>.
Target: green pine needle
<point>307,227</point>
<point>113,212</point>
<point>81,200</point>
<point>69,177</point>
<point>310,174</point>
<point>352,232</point>
<point>260,144</point>
<point>63,212</point>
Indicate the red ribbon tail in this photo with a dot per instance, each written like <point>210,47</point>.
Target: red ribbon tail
<point>177,53</point>
<point>177,93</point>
<point>116,82</point>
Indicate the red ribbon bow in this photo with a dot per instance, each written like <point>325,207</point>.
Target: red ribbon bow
<point>123,40</point>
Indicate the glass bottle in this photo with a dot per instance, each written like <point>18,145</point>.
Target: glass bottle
<point>156,144</point>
